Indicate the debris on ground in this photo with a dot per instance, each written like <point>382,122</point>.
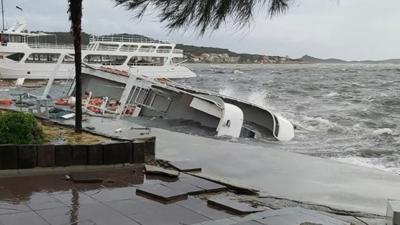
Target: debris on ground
<point>67,177</point>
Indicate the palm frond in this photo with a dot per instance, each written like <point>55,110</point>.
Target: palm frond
<point>204,15</point>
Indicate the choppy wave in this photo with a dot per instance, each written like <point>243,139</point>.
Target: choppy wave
<point>347,113</point>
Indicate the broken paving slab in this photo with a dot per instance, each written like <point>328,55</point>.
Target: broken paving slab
<point>161,193</point>
<point>207,185</point>
<point>237,188</point>
<point>160,171</point>
<point>185,166</point>
<point>86,177</point>
<point>184,187</point>
<point>233,206</point>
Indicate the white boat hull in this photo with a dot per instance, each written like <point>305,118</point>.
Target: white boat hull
<point>44,71</point>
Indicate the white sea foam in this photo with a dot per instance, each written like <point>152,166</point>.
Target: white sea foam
<point>317,124</point>
<point>382,131</point>
<point>259,98</point>
<point>332,94</point>
<point>228,91</point>
<point>366,162</point>
<point>237,72</point>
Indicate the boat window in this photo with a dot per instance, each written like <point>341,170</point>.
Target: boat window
<point>147,48</point>
<point>129,48</point>
<point>105,59</point>
<point>164,49</point>
<point>16,38</point>
<point>107,47</point>
<point>68,59</point>
<point>16,56</point>
<point>43,58</point>
<point>147,61</point>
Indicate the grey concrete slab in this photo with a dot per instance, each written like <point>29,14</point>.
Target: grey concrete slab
<point>226,221</point>
<point>185,166</point>
<point>30,218</point>
<point>184,187</point>
<point>160,171</point>
<point>67,197</point>
<point>210,213</point>
<point>60,216</point>
<point>40,201</point>
<point>161,193</point>
<point>251,222</point>
<point>233,206</point>
<point>105,195</point>
<point>101,214</point>
<point>320,216</point>
<point>151,218</point>
<point>9,208</point>
<point>293,219</point>
<point>207,185</point>
<point>191,201</point>
<point>127,207</point>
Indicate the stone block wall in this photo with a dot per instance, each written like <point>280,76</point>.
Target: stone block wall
<point>31,156</point>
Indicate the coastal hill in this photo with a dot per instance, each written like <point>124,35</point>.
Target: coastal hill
<point>310,59</point>
<point>192,53</point>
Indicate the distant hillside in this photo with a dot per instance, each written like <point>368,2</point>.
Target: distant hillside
<point>310,59</point>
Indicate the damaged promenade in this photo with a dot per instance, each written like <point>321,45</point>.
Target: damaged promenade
<point>283,198</point>
<point>337,193</point>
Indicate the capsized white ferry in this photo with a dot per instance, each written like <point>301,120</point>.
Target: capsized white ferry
<point>25,55</point>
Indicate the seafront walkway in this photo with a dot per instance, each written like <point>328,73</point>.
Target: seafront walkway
<point>275,173</point>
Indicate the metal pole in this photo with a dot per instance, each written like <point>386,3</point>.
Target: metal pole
<point>2,12</point>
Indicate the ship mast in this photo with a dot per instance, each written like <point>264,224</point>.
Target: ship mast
<point>2,13</point>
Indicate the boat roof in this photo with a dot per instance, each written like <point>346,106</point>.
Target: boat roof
<point>30,34</point>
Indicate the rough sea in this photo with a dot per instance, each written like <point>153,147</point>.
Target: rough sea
<point>348,113</point>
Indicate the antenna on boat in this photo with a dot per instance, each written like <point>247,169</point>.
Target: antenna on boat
<point>2,13</point>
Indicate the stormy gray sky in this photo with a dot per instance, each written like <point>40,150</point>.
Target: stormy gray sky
<point>346,29</point>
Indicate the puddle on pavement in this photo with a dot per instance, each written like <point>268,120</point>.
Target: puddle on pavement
<point>59,201</point>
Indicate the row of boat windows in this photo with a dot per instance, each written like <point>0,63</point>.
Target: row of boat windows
<point>90,59</point>
<point>133,48</point>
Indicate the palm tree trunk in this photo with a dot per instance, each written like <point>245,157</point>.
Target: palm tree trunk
<point>75,10</point>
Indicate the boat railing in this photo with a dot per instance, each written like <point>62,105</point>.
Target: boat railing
<point>54,46</point>
<point>104,48</point>
<point>163,50</point>
<point>177,51</point>
<point>147,49</point>
<point>129,39</point>
<point>107,48</point>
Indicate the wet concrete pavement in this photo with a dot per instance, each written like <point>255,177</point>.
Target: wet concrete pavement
<point>49,199</point>
<point>283,174</point>
<point>274,173</point>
